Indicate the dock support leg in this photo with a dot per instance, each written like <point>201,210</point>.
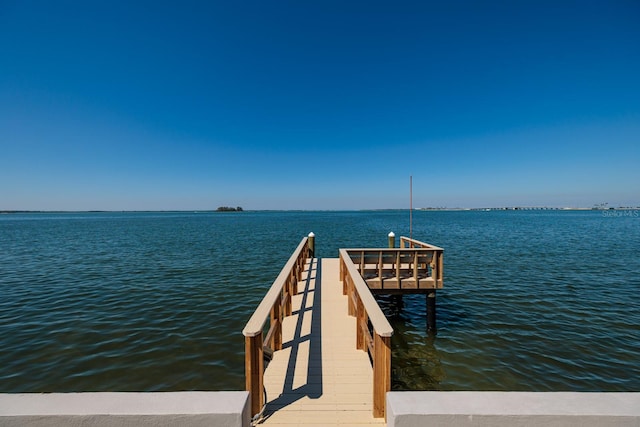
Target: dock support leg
<point>398,303</point>
<point>431,313</point>
<point>254,372</point>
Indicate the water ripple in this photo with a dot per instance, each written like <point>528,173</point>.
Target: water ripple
<point>156,302</point>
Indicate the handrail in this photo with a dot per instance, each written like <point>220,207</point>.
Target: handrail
<point>256,322</point>
<point>413,243</point>
<point>380,323</point>
<point>275,305</point>
<point>416,269</point>
<point>437,264</point>
<point>364,307</point>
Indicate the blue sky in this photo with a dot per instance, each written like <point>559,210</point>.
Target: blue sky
<point>117,105</point>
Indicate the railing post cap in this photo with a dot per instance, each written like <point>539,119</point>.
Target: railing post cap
<point>311,234</point>
<point>392,234</point>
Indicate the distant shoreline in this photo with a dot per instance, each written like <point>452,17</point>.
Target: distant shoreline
<point>439,209</point>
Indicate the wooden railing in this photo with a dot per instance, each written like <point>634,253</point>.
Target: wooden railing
<point>414,269</point>
<point>413,243</point>
<point>437,264</point>
<point>377,340</point>
<point>275,305</point>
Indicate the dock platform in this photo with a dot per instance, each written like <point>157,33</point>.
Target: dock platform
<point>319,377</point>
<point>318,346</point>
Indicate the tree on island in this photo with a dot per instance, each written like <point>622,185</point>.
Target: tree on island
<point>229,209</point>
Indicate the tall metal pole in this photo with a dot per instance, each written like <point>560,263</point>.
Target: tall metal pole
<point>411,206</point>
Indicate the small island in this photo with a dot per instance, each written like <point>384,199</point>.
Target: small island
<point>229,209</point>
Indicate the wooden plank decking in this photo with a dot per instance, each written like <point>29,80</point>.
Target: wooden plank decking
<point>319,377</point>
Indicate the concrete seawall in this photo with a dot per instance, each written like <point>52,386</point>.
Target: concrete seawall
<point>189,409</point>
<point>404,409</point>
<point>512,409</point>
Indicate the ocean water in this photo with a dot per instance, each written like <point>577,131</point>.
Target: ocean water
<point>533,300</point>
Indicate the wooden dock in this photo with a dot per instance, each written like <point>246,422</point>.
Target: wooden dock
<point>319,377</point>
<point>318,346</point>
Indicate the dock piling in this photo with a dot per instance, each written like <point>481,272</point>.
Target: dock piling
<point>431,313</point>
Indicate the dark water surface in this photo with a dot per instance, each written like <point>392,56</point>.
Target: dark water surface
<point>533,300</point>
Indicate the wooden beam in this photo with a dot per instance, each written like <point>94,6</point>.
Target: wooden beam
<point>276,326</point>
<point>361,319</point>
<point>350,296</point>
<point>381,374</point>
<point>254,371</point>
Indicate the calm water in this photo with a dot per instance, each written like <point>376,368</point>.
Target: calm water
<point>533,300</point>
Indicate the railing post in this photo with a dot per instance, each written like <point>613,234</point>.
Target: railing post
<point>392,240</point>
<point>343,276</point>
<point>254,367</point>
<point>302,261</point>
<point>287,298</point>
<point>293,282</point>
<point>276,320</point>
<point>381,373</point>
<point>350,291</point>
<point>361,343</point>
<point>299,267</point>
<point>312,245</point>
<point>436,268</point>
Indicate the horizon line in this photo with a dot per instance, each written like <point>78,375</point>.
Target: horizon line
<point>513,207</point>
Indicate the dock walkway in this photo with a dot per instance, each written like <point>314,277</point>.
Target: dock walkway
<point>319,377</point>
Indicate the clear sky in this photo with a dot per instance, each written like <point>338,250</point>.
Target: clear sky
<point>118,105</point>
